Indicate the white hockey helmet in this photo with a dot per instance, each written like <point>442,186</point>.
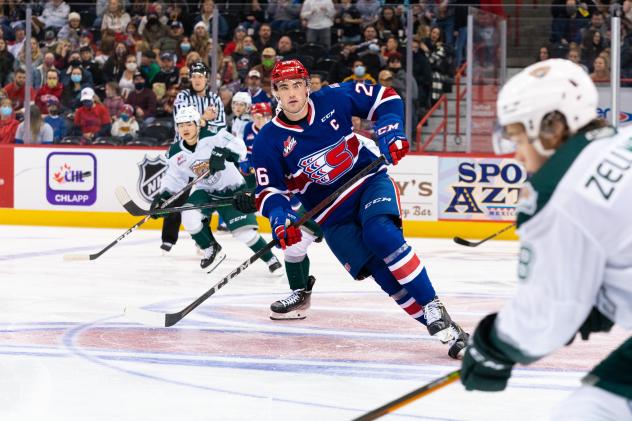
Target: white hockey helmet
<point>547,86</point>
<point>186,114</point>
<point>243,97</point>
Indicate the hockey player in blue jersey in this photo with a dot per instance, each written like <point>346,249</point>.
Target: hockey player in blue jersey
<point>261,113</point>
<point>309,150</point>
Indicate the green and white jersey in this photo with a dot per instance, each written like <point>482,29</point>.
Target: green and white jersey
<point>239,124</point>
<point>575,227</point>
<point>182,164</point>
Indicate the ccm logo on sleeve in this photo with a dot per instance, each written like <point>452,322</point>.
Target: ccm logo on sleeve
<point>387,128</point>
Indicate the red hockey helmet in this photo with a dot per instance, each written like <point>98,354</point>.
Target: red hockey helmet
<point>288,69</point>
<point>261,108</point>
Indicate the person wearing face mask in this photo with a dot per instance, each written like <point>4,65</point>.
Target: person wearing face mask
<point>115,64</point>
<point>360,74</point>
<point>170,42</point>
<point>55,119</point>
<point>87,62</point>
<point>91,118</point>
<point>154,31</point>
<point>74,62</point>
<point>142,99</point>
<point>125,126</point>
<point>268,60</point>
<point>245,57</point>
<point>126,81</point>
<point>184,82</point>
<point>51,87</point>
<point>184,48</point>
<point>8,123</point>
<point>168,73</point>
<point>70,97</point>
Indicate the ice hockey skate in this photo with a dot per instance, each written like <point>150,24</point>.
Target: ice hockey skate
<point>274,267</point>
<point>166,247</point>
<point>438,320</point>
<point>295,306</point>
<point>213,256</point>
<point>458,342</point>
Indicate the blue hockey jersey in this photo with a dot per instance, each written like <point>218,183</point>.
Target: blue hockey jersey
<point>250,132</point>
<point>312,159</point>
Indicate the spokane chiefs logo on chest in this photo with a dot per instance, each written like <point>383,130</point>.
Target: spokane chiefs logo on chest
<point>329,164</point>
<point>151,172</point>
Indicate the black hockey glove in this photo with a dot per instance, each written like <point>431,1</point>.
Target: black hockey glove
<point>217,161</point>
<point>232,157</point>
<point>595,322</point>
<point>484,366</point>
<point>159,199</point>
<point>244,202</point>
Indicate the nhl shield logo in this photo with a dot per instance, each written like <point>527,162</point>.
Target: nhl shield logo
<point>151,172</point>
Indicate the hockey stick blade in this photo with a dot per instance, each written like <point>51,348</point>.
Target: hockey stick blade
<point>124,199</point>
<point>76,257</point>
<point>467,243</point>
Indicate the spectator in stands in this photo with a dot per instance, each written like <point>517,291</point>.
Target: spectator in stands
<point>74,61</point>
<point>391,47</point>
<point>143,100</point>
<point>41,132</point>
<point>574,55</point>
<point>226,95</point>
<point>316,82</point>
<point>171,42</point>
<point>597,23</point>
<point>566,23</point>
<point>228,74</point>
<point>268,59</point>
<point>61,54</point>
<point>369,10</point>
<point>154,31</point>
<point>369,35</point>
<point>165,104</point>
<point>6,63</point>
<point>71,30</point>
<point>193,57</point>
<point>422,72</point>
<point>126,82</point>
<point>206,16</point>
<point>113,101</point>
<point>50,42</point>
<point>115,64</point>
<point>239,34</point>
<point>394,65</point>
<point>343,64</point>
<point>88,63</point>
<point>16,89</point>
<point>265,38</point>
<point>284,15</point>
<point>91,119</point>
<point>360,74</point>
<point>388,23</point>
<point>253,84</point>
<point>245,57</point>
<point>601,69</point>
<point>285,49</point>
<point>318,17</point>
<point>148,66</point>
<point>125,125</point>
<point>168,74</point>
<point>200,41</point>
<point>19,32</point>
<point>8,123</point>
<point>47,64</point>
<point>439,63</point>
<point>349,19</point>
<point>55,120</point>
<point>592,46</point>
<point>52,87</point>
<point>115,19</point>
<point>36,59</point>
<point>543,53</point>
<point>385,78</point>
<point>71,97</point>
<point>54,15</point>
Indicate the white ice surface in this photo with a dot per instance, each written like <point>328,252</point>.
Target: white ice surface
<point>66,352</point>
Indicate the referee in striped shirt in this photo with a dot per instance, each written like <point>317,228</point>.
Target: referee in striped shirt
<point>211,108</point>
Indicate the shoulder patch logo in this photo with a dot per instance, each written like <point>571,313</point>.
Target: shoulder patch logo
<point>151,171</point>
<point>288,146</point>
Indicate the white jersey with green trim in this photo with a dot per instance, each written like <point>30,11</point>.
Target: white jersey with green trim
<point>182,164</point>
<point>576,244</point>
<point>238,125</point>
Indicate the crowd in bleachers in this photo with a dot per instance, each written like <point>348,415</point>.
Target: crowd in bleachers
<point>112,68</point>
<point>581,32</point>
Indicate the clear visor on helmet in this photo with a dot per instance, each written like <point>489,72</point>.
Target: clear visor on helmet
<point>500,141</point>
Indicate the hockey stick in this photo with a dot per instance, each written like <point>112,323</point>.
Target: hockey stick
<point>411,397</point>
<point>135,226</point>
<point>130,206</point>
<point>171,319</point>
<point>467,243</point>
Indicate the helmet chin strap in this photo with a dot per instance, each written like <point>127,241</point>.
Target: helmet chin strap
<point>537,145</point>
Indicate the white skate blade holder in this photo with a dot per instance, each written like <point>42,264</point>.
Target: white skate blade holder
<point>290,315</point>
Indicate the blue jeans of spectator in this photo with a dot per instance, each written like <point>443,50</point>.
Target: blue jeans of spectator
<point>461,43</point>
<point>447,27</point>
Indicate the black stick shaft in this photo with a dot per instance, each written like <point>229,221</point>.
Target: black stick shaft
<point>173,318</point>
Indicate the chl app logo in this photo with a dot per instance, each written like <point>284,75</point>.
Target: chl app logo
<point>71,178</point>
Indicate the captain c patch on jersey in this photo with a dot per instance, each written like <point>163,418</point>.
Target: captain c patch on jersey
<point>329,164</point>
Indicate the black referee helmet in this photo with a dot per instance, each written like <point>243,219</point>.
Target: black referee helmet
<point>198,67</point>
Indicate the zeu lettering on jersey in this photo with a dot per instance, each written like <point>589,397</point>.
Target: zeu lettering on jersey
<point>610,171</point>
<point>329,164</point>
